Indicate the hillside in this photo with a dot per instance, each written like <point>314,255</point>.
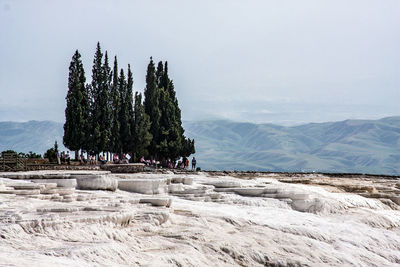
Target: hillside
<point>362,146</point>
<point>36,136</point>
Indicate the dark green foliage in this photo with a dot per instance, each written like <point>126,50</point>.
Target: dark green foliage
<point>90,130</point>
<point>114,145</point>
<point>96,77</point>
<point>9,151</point>
<point>94,93</point>
<point>101,117</point>
<point>51,153</point>
<point>188,147</point>
<point>172,142</point>
<point>104,107</point>
<point>100,109</point>
<point>32,155</point>
<point>55,146</point>
<point>77,110</point>
<point>170,139</point>
<point>159,74</point>
<point>167,83</point>
<point>151,106</point>
<point>128,142</point>
<point>141,136</point>
<point>123,118</point>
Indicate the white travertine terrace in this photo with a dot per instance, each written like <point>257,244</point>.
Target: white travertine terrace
<point>167,219</point>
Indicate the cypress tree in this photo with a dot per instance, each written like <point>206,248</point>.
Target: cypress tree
<point>141,136</point>
<point>188,147</point>
<point>103,106</point>
<point>160,74</point>
<point>178,133</point>
<point>77,110</point>
<point>101,116</point>
<point>93,129</point>
<point>115,107</point>
<point>129,104</point>
<point>96,95</point>
<point>183,145</point>
<point>100,108</point>
<point>172,142</point>
<point>97,73</point>
<point>151,106</point>
<point>165,82</point>
<point>166,145</point>
<point>124,131</point>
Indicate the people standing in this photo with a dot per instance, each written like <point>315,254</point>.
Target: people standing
<point>184,159</point>
<point>124,159</point>
<point>82,159</point>
<point>102,160</point>
<point>62,157</point>
<point>179,165</point>
<point>68,158</point>
<point>193,163</point>
<point>116,158</point>
<point>92,160</point>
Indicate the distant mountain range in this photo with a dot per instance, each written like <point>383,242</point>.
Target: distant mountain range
<point>36,136</point>
<point>361,146</point>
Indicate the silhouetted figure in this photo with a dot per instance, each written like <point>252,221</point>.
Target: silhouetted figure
<point>102,160</point>
<point>82,159</point>
<point>67,158</point>
<point>193,163</point>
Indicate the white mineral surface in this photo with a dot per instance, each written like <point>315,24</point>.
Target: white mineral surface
<point>199,219</point>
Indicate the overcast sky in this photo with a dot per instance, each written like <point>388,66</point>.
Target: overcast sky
<point>286,62</point>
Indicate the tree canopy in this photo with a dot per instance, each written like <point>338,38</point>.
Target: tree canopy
<point>106,115</point>
<point>78,107</point>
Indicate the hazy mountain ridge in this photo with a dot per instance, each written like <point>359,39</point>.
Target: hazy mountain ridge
<point>363,146</point>
<point>36,136</point>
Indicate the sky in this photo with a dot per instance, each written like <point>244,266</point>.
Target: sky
<point>286,62</point>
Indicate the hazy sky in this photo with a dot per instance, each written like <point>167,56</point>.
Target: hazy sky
<point>264,61</point>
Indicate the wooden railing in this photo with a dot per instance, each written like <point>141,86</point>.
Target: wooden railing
<point>11,162</point>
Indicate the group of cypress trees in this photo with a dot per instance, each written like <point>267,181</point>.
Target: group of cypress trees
<point>104,116</point>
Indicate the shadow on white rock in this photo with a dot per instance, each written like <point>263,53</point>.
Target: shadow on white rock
<point>158,202</point>
<point>97,182</point>
<point>69,183</point>
<point>144,186</point>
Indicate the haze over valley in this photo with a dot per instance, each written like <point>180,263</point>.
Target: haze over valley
<point>356,146</point>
